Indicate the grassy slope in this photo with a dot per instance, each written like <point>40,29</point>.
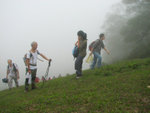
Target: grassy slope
<point>116,88</point>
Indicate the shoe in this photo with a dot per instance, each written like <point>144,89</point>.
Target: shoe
<point>148,87</point>
<point>26,90</point>
<point>77,77</point>
<point>34,88</point>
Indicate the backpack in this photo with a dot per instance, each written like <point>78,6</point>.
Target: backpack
<point>75,52</point>
<point>14,68</point>
<point>25,58</point>
<point>91,45</point>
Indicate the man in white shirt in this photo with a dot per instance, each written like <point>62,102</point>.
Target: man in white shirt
<point>12,74</point>
<point>32,57</point>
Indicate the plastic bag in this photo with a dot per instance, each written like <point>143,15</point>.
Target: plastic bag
<point>28,76</point>
<point>89,59</point>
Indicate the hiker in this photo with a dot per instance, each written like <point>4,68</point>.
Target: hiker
<point>31,64</point>
<point>82,46</point>
<point>96,51</point>
<point>12,74</point>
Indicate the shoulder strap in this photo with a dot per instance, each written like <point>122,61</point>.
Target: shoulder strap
<point>14,67</point>
<point>8,67</point>
<point>38,52</point>
<point>30,54</point>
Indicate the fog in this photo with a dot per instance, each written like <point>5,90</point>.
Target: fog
<point>54,25</point>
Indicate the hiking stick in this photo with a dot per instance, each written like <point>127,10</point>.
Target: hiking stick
<point>46,74</point>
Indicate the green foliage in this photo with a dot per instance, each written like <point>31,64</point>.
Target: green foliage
<point>116,88</point>
<point>129,30</point>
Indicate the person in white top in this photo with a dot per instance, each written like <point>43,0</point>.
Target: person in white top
<point>12,74</point>
<point>31,68</point>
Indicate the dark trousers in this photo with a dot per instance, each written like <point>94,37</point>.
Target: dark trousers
<point>33,77</point>
<point>78,65</point>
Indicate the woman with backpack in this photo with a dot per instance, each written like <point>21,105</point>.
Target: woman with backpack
<point>82,46</point>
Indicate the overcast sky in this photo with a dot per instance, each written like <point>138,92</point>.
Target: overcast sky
<point>54,25</point>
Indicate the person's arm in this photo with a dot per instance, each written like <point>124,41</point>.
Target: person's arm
<point>17,71</point>
<point>7,73</point>
<point>43,56</point>
<point>103,46</point>
<point>77,44</point>
<point>28,65</point>
<point>18,74</point>
<point>91,51</point>
<point>106,50</point>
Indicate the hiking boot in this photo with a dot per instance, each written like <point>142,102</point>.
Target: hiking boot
<point>26,90</point>
<point>78,77</point>
<point>34,87</point>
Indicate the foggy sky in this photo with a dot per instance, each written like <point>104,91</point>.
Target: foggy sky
<point>54,25</point>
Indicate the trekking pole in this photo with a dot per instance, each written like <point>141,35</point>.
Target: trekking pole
<point>46,74</point>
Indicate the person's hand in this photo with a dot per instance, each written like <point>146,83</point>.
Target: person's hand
<point>29,71</point>
<point>18,77</point>
<point>108,53</point>
<point>76,44</point>
<point>91,54</point>
<point>49,60</point>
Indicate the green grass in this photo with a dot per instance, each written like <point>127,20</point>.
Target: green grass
<point>116,88</point>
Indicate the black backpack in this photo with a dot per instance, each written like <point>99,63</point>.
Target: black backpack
<point>25,58</point>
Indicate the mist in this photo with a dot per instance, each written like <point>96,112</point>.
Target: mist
<point>54,25</point>
<point>127,28</point>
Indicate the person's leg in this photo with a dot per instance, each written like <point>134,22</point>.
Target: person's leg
<point>78,65</point>
<point>16,81</point>
<point>94,61</point>
<point>99,58</point>
<point>26,82</point>
<point>10,82</point>
<point>33,75</point>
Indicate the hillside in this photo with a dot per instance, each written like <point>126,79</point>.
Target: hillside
<point>116,88</point>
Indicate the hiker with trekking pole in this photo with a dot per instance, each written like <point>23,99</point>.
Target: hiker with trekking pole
<point>79,52</point>
<point>12,74</point>
<point>30,60</point>
<point>95,48</point>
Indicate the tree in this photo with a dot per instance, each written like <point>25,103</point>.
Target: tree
<point>128,30</point>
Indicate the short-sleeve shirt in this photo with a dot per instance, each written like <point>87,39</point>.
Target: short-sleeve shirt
<point>11,70</point>
<point>82,48</point>
<point>33,59</point>
<point>98,45</point>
